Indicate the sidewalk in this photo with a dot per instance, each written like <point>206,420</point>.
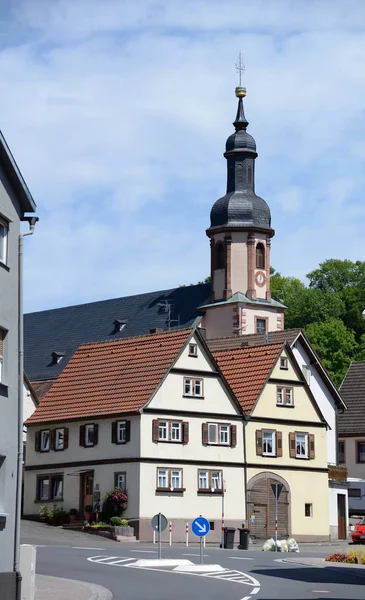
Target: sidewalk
<point>321,562</point>
<point>55,588</point>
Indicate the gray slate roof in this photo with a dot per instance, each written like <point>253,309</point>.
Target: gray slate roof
<point>352,389</point>
<point>62,330</point>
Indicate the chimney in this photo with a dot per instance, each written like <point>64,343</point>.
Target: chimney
<point>156,330</point>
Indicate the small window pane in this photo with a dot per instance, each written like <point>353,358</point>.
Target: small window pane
<point>3,241</point>
<point>176,432</point>
<point>121,431</point>
<point>361,451</point>
<point>341,452</point>
<point>59,439</point>
<point>224,434</point>
<point>44,489</point>
<point>187,386</point>
<point>212,433</point>
<point>203,480</point>
<point>198,387</point>
<point>283,362</point>
<point>176,479</point>
<point>162,478</point>
<point>260,256</point>
<point>44,441</point>
<point>193,349</point>
<point>260,325</point>
<point>89,435</point>
<point>216,480</point>
<point>280,396</point>
<point>288,396</point>
<point>301,444</point>
<point>308,510</point>
<point>268,442</point>
<point>162,430</point>
<point>120,481</point>
<point>57,488</point>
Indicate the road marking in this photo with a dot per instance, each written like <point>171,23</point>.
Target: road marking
<point>255,591</point>
<point>320,592</point>
<point>85,548</point>
<point>102,559</point>
<point>118,562</point>
<point>146,551</point>
<point>240,558</point>
<point>194,555</point>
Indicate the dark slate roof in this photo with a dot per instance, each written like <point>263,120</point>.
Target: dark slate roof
<point>62,330</point>
<point>352,421</point>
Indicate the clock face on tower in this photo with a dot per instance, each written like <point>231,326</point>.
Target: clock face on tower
<point>260,278</point>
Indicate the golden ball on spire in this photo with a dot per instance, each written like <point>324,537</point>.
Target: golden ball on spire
<point>240,92</point>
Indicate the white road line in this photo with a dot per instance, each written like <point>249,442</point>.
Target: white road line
<point>246,598</point>
<point>121,560</point>
<point>102,559</point>
<point>205,555</point>
<point>255,591</point>
<point>240,558</point>
<point>85,548</point>
<point>146,551</point>
<point>321,592</point>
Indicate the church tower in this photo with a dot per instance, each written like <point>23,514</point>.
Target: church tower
<point>240,235</point>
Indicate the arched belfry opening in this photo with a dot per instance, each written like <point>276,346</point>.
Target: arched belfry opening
<point>219,256</point>
<point>260,256</point>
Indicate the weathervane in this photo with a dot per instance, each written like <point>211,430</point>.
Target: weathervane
<point>240,68</point>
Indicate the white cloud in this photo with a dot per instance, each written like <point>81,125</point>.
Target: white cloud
<point>117,113</point>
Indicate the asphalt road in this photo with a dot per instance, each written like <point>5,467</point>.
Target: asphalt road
<point>252,574</point>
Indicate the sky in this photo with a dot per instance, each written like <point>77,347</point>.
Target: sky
<point>117,114</point>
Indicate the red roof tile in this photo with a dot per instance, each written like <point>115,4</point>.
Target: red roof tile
<point>247,369</point>
<point>110,377</point>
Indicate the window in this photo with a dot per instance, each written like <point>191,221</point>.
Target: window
<point>354,492</point>
<point>284,396</point>
<point>193,387</point>
<point>341,452</point>
<point>193,350</point>
<point>283,362</point>
<point>120,481</point>
<point>210,481</point>
<point>163,430</point>
<point>301,445</point>
<point>268,443</point>
<point>44,440</point>
<point>219,256</point>
<point>360,452</point>
<point>224,434</point>
<point>59,439</point>
<point>170,480</point>
<point>307,373</point>
<point>50,487</point>
<point>308,511</point>
<point>89,435</point>
<point>121,432</point>
<point>260,325</point>
<point>260,256</point>
<point>4,228</point>
<point>218,434</point>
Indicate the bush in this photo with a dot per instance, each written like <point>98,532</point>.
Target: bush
<point>57,515</point>
<point>124,523</point>
<point>43,512</point>
<point>98,525</point>
<point>73,511</point>
<point>88,508</point>
<point>116,521</point>
<point>114,503</point>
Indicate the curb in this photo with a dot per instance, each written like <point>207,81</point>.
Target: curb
<point>70,587</point>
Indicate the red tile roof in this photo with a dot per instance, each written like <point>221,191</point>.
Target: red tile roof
<point>110,377</point>
<point>253,339</point>
<point>42,387</point>
<point>247,369</point>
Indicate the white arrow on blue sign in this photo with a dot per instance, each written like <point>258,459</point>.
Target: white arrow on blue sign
<point>200,526</point>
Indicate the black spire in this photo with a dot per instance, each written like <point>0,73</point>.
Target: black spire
<point>241,121</point>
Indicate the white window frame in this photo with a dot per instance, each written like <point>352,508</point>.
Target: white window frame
<point>41,482</point>
<point>162,474</point>
<point>216,480</point>
<point>163,431</point>
<point>212,480</point>
<point>297,442</point>
<point>310,510</point>
<point>59,444</point>
<point>283,362</point>
<point>44,446</point>
<point>213,427</point>
<point>193,386</point>
<point>123,477</point>
<point>193,349</point>
<point>265,326</point>
<point>224,429</point>
<point>176,478</point>
<point>281,396</point>
<point>89,429</point>
<point>57,486</point>
<point>272,434</point>
<point>203,477</point>
<point>4,225</point>
<point>121,432</point>
<point>176,430</point>
<point>217,438</point>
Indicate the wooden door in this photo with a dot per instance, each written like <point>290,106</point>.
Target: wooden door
<point>258,528</point>
<point>87,488</point>
<point>341,516</point>
<point>283,506</point>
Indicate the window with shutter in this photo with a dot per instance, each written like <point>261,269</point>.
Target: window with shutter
<point>268,443</point>
<point>258,442</point>
<point>45,440</point>
<point>155,430</point>
<point>233,429</point>
<point>185,427</point>
<point>212,433</point>
<point>312,453</point>
<point>59,439</point>
<point>205,433</point>
<point>292,452</point>
<point>279,443</point>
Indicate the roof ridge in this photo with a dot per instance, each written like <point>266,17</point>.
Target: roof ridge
<point>250,348</point>
<point>147,336</point>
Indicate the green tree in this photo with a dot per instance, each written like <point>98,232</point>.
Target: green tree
<point>335,344</point>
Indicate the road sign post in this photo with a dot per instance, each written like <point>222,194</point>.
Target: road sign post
<point>276,488</point>
<point>159,524</point>
<point>200,527</point>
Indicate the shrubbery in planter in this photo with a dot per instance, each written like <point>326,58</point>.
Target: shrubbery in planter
<point>114,504</point>
<point>116,522</point>
<point>43,513</point>
<point>57,515</point>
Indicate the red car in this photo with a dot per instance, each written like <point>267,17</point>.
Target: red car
<point>358,535</point>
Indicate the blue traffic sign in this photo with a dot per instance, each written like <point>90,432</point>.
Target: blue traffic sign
<point>200,526</point>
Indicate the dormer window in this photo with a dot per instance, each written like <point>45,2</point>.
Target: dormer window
<point>283,363</point>
<point>119,325</point>
<point>57,357</point>
<point>260,256</point>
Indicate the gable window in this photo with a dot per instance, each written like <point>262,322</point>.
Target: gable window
<point>360,452</point>
<point>170,480</point>
<point>44,440</point>
<point>260,256</point>
<point>283,363</point>
<point>268,443</point>
<point>164,430</point>
<point>260,325</point>
<point>219,256</point>
<point>220,434</point>
<point>193,387</point>
<point>120,481</point>
<point>210,481</point>
<point>341,452</point>
<point>89,435</point>
<point>59,439</point>
<point>301,445</point>
<point>4,229</point>
<point>193,350</point>
<point>284,396</point>
<point>49,487</point>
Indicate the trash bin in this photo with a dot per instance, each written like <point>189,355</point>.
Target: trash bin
<point>244,539</point>
<point>229,537</point>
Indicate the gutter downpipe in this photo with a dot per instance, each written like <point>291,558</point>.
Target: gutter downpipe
<point>18,506</point>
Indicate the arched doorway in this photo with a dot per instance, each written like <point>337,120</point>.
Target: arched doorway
<point>261,506</point>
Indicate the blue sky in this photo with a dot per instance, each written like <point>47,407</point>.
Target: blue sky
<point>117,113</point>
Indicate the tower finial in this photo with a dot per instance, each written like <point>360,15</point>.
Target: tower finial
<point>240,68</point>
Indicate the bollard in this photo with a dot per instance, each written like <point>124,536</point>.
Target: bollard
<point>187,534</point>
<point>170,532</point>
<point>154,537</point>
